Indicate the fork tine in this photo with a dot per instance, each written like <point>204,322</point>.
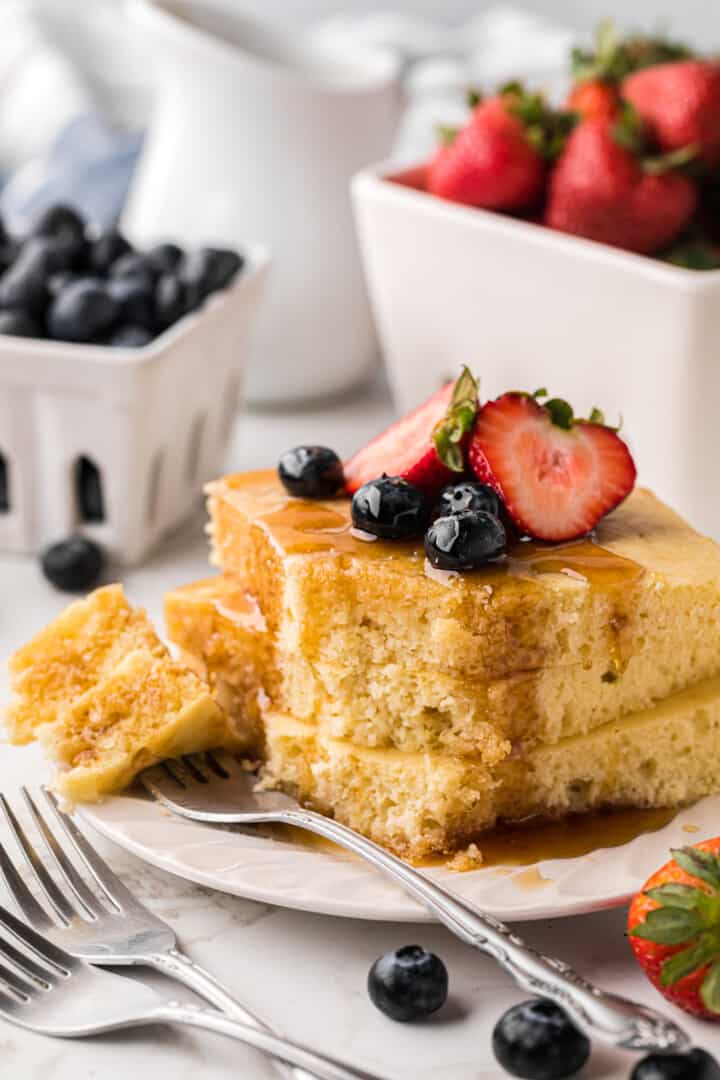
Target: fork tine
<point>38,945</point>
<point>226,762</point>
<point>176,770</point>
<point>55,898</point>
<point>31,969</point>
<point>87,900</point>
<point>216,766</point>
<point>26,902</point>
<point>106,879</point>
<point>196,767</point>
<point>10,980</point>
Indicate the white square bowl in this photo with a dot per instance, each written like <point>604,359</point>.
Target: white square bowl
<point>154,422</point>
<point>525,306</point>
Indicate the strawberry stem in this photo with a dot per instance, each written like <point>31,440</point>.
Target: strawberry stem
<point>613,58</point>
<point>458,421</point>
<point>447,135</point>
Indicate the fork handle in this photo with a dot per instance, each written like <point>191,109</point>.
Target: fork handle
<point>324,1068</point>
<point>175,964</point>
<point>608,1017</point>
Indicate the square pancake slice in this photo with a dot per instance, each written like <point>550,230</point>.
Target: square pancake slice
<point>646,581</point>
<point>102,693</point>
<point>220,633</point>
<point>422,805</point>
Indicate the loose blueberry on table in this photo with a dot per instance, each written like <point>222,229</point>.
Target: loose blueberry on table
<point>408,984</point>
<point>537,1041</point>
<point>73,565</point>
<point>68,283</point>
<point>695,1065</point>
<point>311,472</point>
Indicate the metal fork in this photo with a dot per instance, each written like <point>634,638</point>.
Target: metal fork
<point>113,929</point>
<point>215,788</point>
<point>45,989</point>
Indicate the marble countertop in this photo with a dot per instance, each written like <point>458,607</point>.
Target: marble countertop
<point>304,973</point>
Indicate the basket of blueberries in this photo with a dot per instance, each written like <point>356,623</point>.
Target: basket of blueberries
<point>120,376</point>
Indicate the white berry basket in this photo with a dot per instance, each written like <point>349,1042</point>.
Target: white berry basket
<point>144,427</point>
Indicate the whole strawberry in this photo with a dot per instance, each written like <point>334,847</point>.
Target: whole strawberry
<point>602,190</point>
<point>498,161</point>
<point>594,99</point>
<point>489,163</point>
<point>680,105</point>
<point>674,927</point>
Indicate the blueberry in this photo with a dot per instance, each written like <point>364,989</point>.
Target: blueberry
<point>57,281</point>
<point>62,222</point>
<point>390,507</point>
<point>136,303</point>
<point>106,249</point>
<point>465,540</point>
<point>73,565</point>
<point>408,984</point>
<point>164,258</point>
<point>537,1041</point>
<point>133,265</point>
<point>24,284</point>
<point>468,496</point>
<point>311,472</point>
<point>130,337</point>
<point>81,311</point>
<point>208,269</point>
<point>170,300</point>
<point>20,324</point>
<point>8,253</point>
<point>695,1065</point>
<point>66,228</point>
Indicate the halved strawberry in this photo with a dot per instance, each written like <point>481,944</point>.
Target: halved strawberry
<point>556,475</point>
<point>426,446</point>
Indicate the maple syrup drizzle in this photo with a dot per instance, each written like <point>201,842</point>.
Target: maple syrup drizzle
<point>301,527</point>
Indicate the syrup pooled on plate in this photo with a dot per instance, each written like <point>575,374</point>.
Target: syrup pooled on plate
<point>529,844</point>
<point>569,838</point>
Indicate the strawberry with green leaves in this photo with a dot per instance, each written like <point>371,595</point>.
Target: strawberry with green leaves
<point>613,57</point>
<point>605,188</point>
<point>680,105</point>
<point>426,447</point>
<point>674,927</point>
<point>598,72</point>
<point>498,160</point>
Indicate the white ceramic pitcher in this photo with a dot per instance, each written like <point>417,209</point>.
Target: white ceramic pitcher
<point>255,135</point>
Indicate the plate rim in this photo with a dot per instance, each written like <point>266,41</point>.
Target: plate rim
<point>408,911</point>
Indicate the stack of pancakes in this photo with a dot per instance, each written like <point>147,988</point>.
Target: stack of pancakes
<point>420,707</point>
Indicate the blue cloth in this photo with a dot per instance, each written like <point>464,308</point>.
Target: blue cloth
<point>90,167</point>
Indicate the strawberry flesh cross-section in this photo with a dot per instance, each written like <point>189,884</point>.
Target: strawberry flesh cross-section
<point>426,446</point>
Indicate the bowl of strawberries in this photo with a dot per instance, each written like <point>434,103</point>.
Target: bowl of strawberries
<point>582,242</point>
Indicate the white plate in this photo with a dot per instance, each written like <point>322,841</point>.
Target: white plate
<point>295,875</point>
